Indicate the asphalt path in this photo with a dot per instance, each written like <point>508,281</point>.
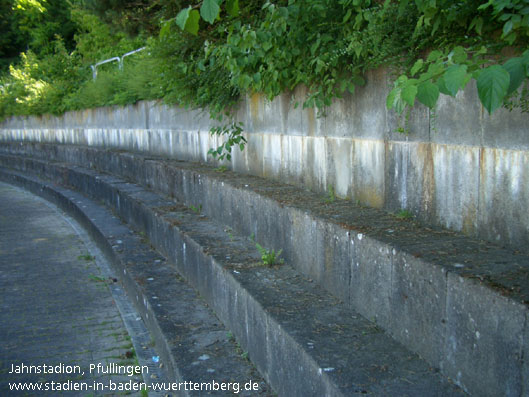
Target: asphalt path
<point>60,325</point>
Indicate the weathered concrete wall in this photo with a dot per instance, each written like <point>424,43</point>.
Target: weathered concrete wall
<point>457,167</point>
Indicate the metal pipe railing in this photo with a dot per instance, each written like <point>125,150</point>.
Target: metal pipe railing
<point>119,60</point>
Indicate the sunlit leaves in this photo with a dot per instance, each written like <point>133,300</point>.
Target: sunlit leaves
<point>34,6</point>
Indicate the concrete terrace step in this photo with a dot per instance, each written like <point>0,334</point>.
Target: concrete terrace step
<point>303,340</point>
<point>193,344</point>
<point>461,304</point>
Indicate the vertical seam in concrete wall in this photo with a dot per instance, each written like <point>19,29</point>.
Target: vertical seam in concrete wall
<point>147,122</point>
<point>429,126</point>
<point>443,349</point>
<point>481,152</point>
<point>479,210</point>
<point>478,206</point>
<point>523,358</point>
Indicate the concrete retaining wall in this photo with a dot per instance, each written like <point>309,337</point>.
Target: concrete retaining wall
<point>457,167</point>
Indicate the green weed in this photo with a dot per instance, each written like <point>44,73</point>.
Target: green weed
<point>96,279</point>
<point>196,210</point>
<point>331,195</point>
<point>404,214</point>
<point>269,257</point>
<point>86,257</point>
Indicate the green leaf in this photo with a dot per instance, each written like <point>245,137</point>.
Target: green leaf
<point>435,26</point>
<point>525,61</point>
<point>477,23</point>
<point>347,15</point>
<point>187,20</point>
<point>427,94</point>
<point>402,6</point>
<point>314,46</point>
<point>408,94</point>
<point>434,56</point>
<point>493,83</point>
<point>416,67</point>
<point>358,80</point>
<point>486,5</point>
<point>192,22</point>
<point>507,28</point>
<point>454,78</point>
<point>209,11</point>
<point>392,97</point>
<point>419,24</point>
<point>458,55</point>
<point>182,17</point>
<point>441,84</point>
<point>516,70</point>
<point>232,7</point>
<point>164,31</point>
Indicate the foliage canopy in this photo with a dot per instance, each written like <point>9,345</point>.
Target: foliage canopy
<point>206,53</point>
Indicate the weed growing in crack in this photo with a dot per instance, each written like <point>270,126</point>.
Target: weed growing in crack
<point>404,214</point>
<point>86,257</point>
<point>269,257</point>
<point>96,279</point>
<point>196,210</point>
<point>221,168</point>
<point>229,232</point>
<point>331,195</point>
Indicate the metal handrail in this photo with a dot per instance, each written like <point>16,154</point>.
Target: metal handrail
<point>94,67</point>
<point>130,53</point>
<point>113,59</point>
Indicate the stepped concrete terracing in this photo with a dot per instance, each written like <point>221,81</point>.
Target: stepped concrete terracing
<point>459,303</point>
<point>193,344</point>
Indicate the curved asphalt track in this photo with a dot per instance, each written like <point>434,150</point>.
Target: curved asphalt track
<point>59,305</point>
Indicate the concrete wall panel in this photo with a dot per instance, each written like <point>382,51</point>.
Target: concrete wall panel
<point>291,158</point>
<point>340,165</point>
<point>504,194</point>
<point>456,167</point>
<point>525,368</point>
<point>457,120</point>
<point>418,299</point>
<point>456,173</point>
<point>368,185</point>
<point>485,335</point>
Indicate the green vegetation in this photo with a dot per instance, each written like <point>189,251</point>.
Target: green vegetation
<point>206,53</point>
<point>404,214</point>
<point>86,257</point>
<point>96,279</point>
<point>196,210</point>
<point>269,257</point>
<point>331,195</point>
<point>234,133</point>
